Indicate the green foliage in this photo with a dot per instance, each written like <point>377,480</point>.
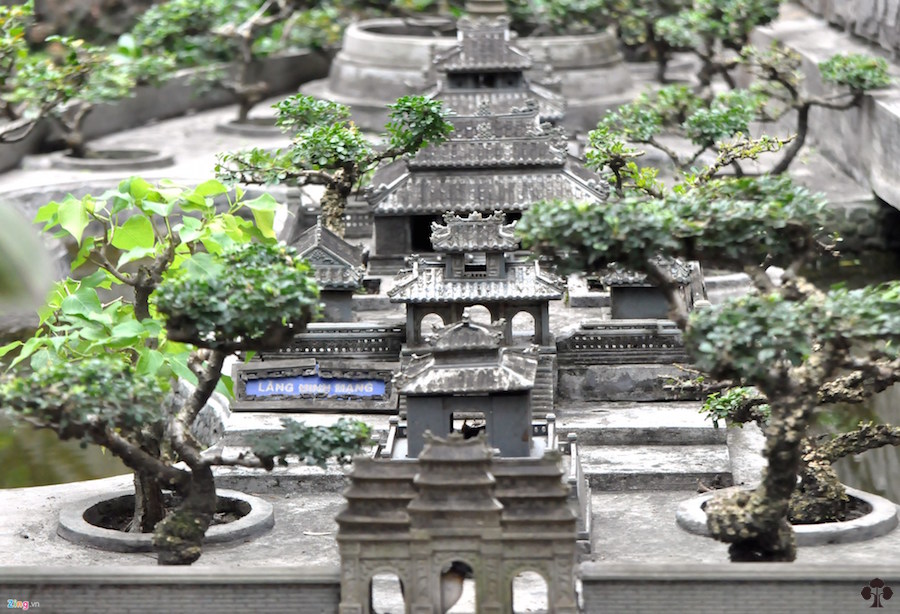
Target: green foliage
<point>729,113</point>
<point>299,112</point>
<point>239,298</point>
<point>728,220</point>
<point>415,122</point>
<point>330,146</point>
<point>728,21</point>
<point>858,71</point>
<point>103,392</point>
<point>314,445</point>
<point>725,405</point>
<point>751,336</point>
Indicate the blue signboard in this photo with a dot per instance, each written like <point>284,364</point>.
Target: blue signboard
<point>314,386</point>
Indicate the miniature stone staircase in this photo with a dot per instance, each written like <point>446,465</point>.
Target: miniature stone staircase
<point>544,392</point>
<point>646,446</point>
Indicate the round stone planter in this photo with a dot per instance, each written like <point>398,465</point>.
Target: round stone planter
<point>258,518</point>
<point>254,127</point>
<point>880,521</point>
<point>383,59</point>
<point>113,160</point>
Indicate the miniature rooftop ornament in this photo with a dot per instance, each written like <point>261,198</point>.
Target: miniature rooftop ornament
<point>509,516</point>
<point>485,8</point>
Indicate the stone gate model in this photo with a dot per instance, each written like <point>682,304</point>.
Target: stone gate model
<point>457,504</point>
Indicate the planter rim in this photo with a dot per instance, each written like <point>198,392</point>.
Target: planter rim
<point>880,521</point>
<point>73,526</point>
<point>145,159</point>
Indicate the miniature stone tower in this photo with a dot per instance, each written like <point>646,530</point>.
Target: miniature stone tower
<point>457,504</point>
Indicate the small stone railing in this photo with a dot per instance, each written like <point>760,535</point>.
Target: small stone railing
<point>345,341</point>
<point>598,342</point>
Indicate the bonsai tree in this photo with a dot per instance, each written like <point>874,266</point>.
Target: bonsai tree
<point>719,125</point>
<point>67,81</point>
<point>796,345</point>
<point>201,284</point>
<point>241,32</point>
<point>61,79</point>
<point>329,150</point>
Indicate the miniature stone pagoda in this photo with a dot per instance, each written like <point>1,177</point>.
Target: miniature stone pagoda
<point>485,70</point>
<point>338,269</point>
<point>508,516</point>
<point>496,381</point>
<point>500,156</point>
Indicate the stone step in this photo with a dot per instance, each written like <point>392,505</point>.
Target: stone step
<point>624,423</point>
<point>621,468</point>
<point>296,477</point>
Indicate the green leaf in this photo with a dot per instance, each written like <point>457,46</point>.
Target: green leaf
<point>135,254</point>
<point>137,231</point>
<point>163,209</point>
<point>130,328</point>
<point>84,303</point>
<point>46,213</point>
<point>202,265</point>
<point>210,188</point>
<point>73,217</point>
<point>9,347</point>
<point>265,221</point>
<point>137,187</point>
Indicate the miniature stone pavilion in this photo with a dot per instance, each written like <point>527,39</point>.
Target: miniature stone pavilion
<point>338,269</point>
<point>457,505</point>
<point>476,266</point>
<point>500,156</point>
<point>496,381</point>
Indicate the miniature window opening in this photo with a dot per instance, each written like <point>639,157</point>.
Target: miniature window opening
<point>523,328</point>
<point>458,591</point>
<point>420,241</point>
<point>476,265</point>
<point>386,594</point>
<point>431,323</point>
<point>469,423</point>
<point>479,314</point>
<point>529,593</point>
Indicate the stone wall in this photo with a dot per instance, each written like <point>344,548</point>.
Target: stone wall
<point>877,21</point>
<point>161,590</point>
<point>756,588</point>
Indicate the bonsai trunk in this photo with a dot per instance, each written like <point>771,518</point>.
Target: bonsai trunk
<point>178,539</point>
<point>821,497</point>
<point>149,509</point>
<point>755,523</point>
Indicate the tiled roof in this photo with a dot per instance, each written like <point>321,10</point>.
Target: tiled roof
<point>337,264</point>
<point>514,369</point>
<point>432,192</point>
<point>551,106</point>
<point>475,233</point>
<point>620,276</point>
<point>489,152</point>
<point>483,45</point>
<point>319,236</point>
<point>524,281</point>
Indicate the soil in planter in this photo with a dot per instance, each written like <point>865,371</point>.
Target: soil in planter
<point>117,513</point>
<point>856,508</point>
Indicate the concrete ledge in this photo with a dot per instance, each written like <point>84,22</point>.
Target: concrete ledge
<point>880,521</point>
<point>864,142</point>
<point>73,526</point>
